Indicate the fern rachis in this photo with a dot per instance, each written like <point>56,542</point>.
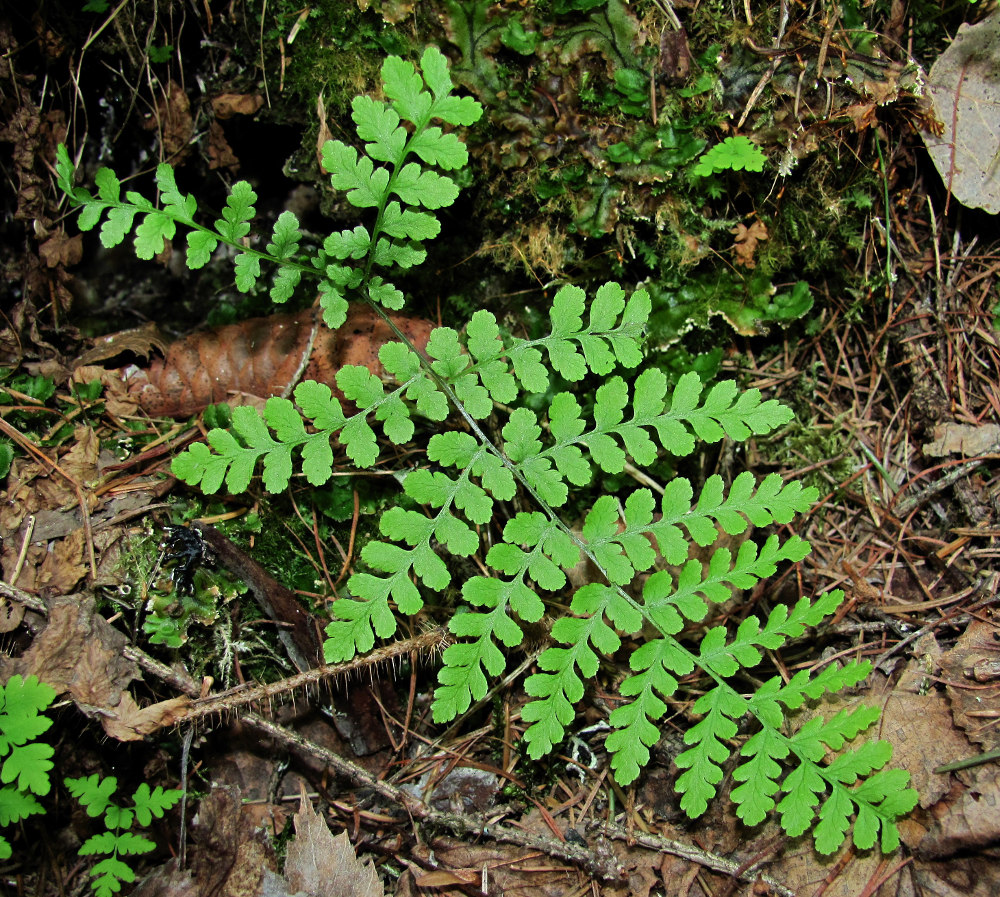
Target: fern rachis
<point>479,372</point>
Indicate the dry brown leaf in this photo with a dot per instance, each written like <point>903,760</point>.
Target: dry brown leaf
<point>226,105</point>
<point>64,566</point>
<point>923,737</point>
<point>443,878</point>
<point>11,615</point>
<point>173,121</point>
<point>969,821</point>
<point>133,723</point>
<point>972,705</point>
<point>117,400</point>
<point>952,438</point>
<point>53,491</point>
<point>746,240</point>
<point>862,114</point>
<point>138,340</point>
<point>971,876</point>
<point>505,875</point>
<point>964,86</point>
<point>396,11</point>
<point>77,646</point>
<point>321,865</point>
<point>60,250</point>
<point>230,856</point>
<point>79,652</point>
<point>80,462</point>
<point>168,881</point>
<point>324,134</point>
<point>220,153</point>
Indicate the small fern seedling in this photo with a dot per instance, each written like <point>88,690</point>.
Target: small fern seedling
<point>477,373</point>
<point>118,841</point>
<point>26,761</point>
<point>735,153</point>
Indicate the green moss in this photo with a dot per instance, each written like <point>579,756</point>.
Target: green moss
<point>336,52</point>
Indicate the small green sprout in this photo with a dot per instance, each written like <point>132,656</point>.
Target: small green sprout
<point>118,841</point>
<point>733,154</point>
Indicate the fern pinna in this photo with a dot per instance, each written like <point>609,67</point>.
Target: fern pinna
<point>480,373</point>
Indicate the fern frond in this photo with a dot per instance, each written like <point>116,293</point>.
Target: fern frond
<point>473,382</point>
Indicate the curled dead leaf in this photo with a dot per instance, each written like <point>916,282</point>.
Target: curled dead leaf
<point>60,250</point>
<point>263,357</point>
<point>746,240</point>
<point>220,153</point>
<point>79,652</point>
<point>137,340</point>
<point>226,105</point>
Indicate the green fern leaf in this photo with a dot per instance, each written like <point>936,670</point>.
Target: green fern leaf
<point>561,687</point>
<point>247,267</point>
<point>407,224</point>
<point>735,153</point>
<point>388,254</point>
<point>93,792</point>
<point>417,186</point>
<point>22,701</point>
<point>28,765</point>
<point>754,799</point>
<point>379,124</point>
<point>434,147</point>
<point>117,226</point>
<point>454,110</point>
<point>334,305</point>
<point>406,89</point>
<point>834,821</point>
<point>16,805</point>
<point>66,172</point>
<point>102,843</point>
<point>365,185</point>
<point>462,679</point>
<point>653,664</point>
<point>283,245</point>
<point>385,294</point>
<point>153,804</point>
<point>180,206</point>
<point>237,214</point>
<point>285,282</point>
<point>200,246</point>
<point>108,876</point>
<point>486,347</point>
<point>152,234</point>
<point>703,761</point>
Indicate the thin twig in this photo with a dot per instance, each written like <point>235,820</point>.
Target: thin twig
<point>696,855</point>
<point>460,824</point>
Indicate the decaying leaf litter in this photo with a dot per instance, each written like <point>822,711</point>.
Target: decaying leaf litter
<point>896,395</point>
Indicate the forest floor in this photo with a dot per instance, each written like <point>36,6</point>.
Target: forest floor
<point>846,281</point>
